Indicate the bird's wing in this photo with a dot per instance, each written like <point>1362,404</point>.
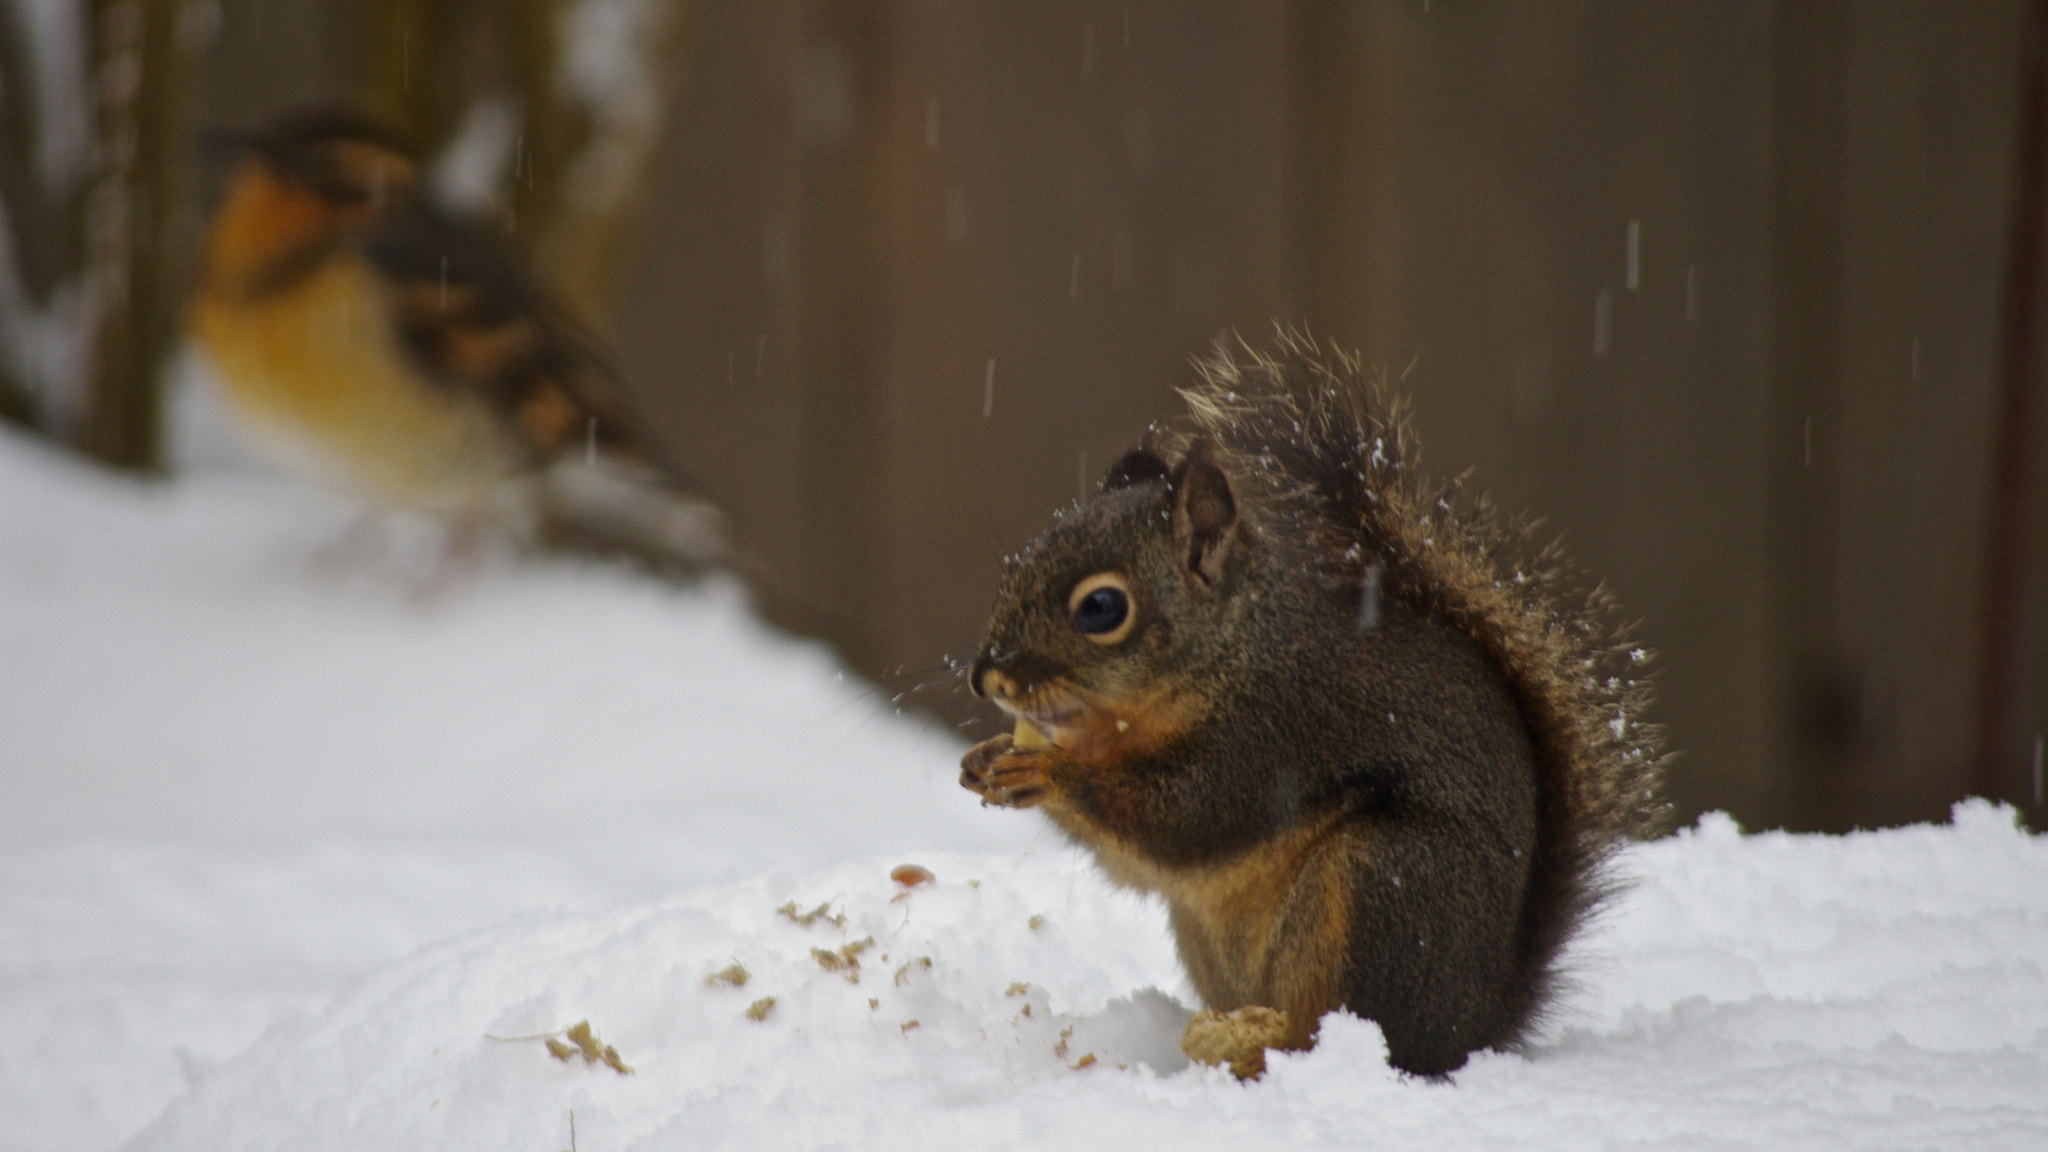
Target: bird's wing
<point>477,320</point>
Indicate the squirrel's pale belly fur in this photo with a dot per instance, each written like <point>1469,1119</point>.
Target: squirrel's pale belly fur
<point>1242,947</point>
<point>1367,758</point>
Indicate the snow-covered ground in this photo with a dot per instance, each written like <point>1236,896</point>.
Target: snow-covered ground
<point>295,856</point>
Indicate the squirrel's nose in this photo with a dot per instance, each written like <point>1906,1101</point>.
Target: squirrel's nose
<point>987,682</point>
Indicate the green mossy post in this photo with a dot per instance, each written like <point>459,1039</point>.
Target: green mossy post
<point>576,182</point>
<point>578,189</point>
<point>401,87</point>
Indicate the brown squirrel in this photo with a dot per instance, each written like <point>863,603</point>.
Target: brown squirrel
<point>1273,676</point>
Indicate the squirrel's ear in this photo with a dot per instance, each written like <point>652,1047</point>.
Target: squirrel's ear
<point>1138,466</point>
<point>1204,512</point>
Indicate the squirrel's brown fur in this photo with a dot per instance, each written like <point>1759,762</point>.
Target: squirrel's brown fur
<point>1369,756</point>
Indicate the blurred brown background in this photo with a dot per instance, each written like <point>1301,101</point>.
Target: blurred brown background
<point>1724,291</point>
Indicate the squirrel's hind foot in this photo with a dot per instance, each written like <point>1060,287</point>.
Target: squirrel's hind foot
<point>1238,1039</point>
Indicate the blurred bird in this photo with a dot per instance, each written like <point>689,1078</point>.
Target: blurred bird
<point>365,334</point>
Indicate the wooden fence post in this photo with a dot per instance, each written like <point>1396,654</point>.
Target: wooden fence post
<point>134,217</point>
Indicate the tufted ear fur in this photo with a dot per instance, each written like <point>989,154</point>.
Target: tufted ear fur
<point>1204,513</point>
<point>1140,465</point>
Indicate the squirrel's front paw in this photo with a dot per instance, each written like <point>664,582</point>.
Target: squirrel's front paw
<point>1003,774</point>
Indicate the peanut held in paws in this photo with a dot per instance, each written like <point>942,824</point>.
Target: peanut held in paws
<point>1029,737</point>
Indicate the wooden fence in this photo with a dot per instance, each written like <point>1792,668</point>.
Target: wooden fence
<point>1720,290</point>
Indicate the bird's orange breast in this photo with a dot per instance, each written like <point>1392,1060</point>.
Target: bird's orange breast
<point>317,367</point>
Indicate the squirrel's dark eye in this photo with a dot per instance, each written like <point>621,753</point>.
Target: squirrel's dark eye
<point>1101,611</point>
<point>1101,608</point>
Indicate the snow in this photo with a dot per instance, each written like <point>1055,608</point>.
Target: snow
<point>288,841</point>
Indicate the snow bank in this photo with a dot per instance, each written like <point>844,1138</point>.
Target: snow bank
<point>281,853</point>
<point>1883,990</point>
<point>241,764</point>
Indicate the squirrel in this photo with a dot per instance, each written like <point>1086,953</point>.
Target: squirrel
<point>1369,759</point>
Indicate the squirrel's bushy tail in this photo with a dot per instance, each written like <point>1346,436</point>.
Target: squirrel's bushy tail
<point>1329,448</point>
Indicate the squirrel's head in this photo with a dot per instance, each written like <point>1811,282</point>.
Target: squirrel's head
<point>1108,618</point>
